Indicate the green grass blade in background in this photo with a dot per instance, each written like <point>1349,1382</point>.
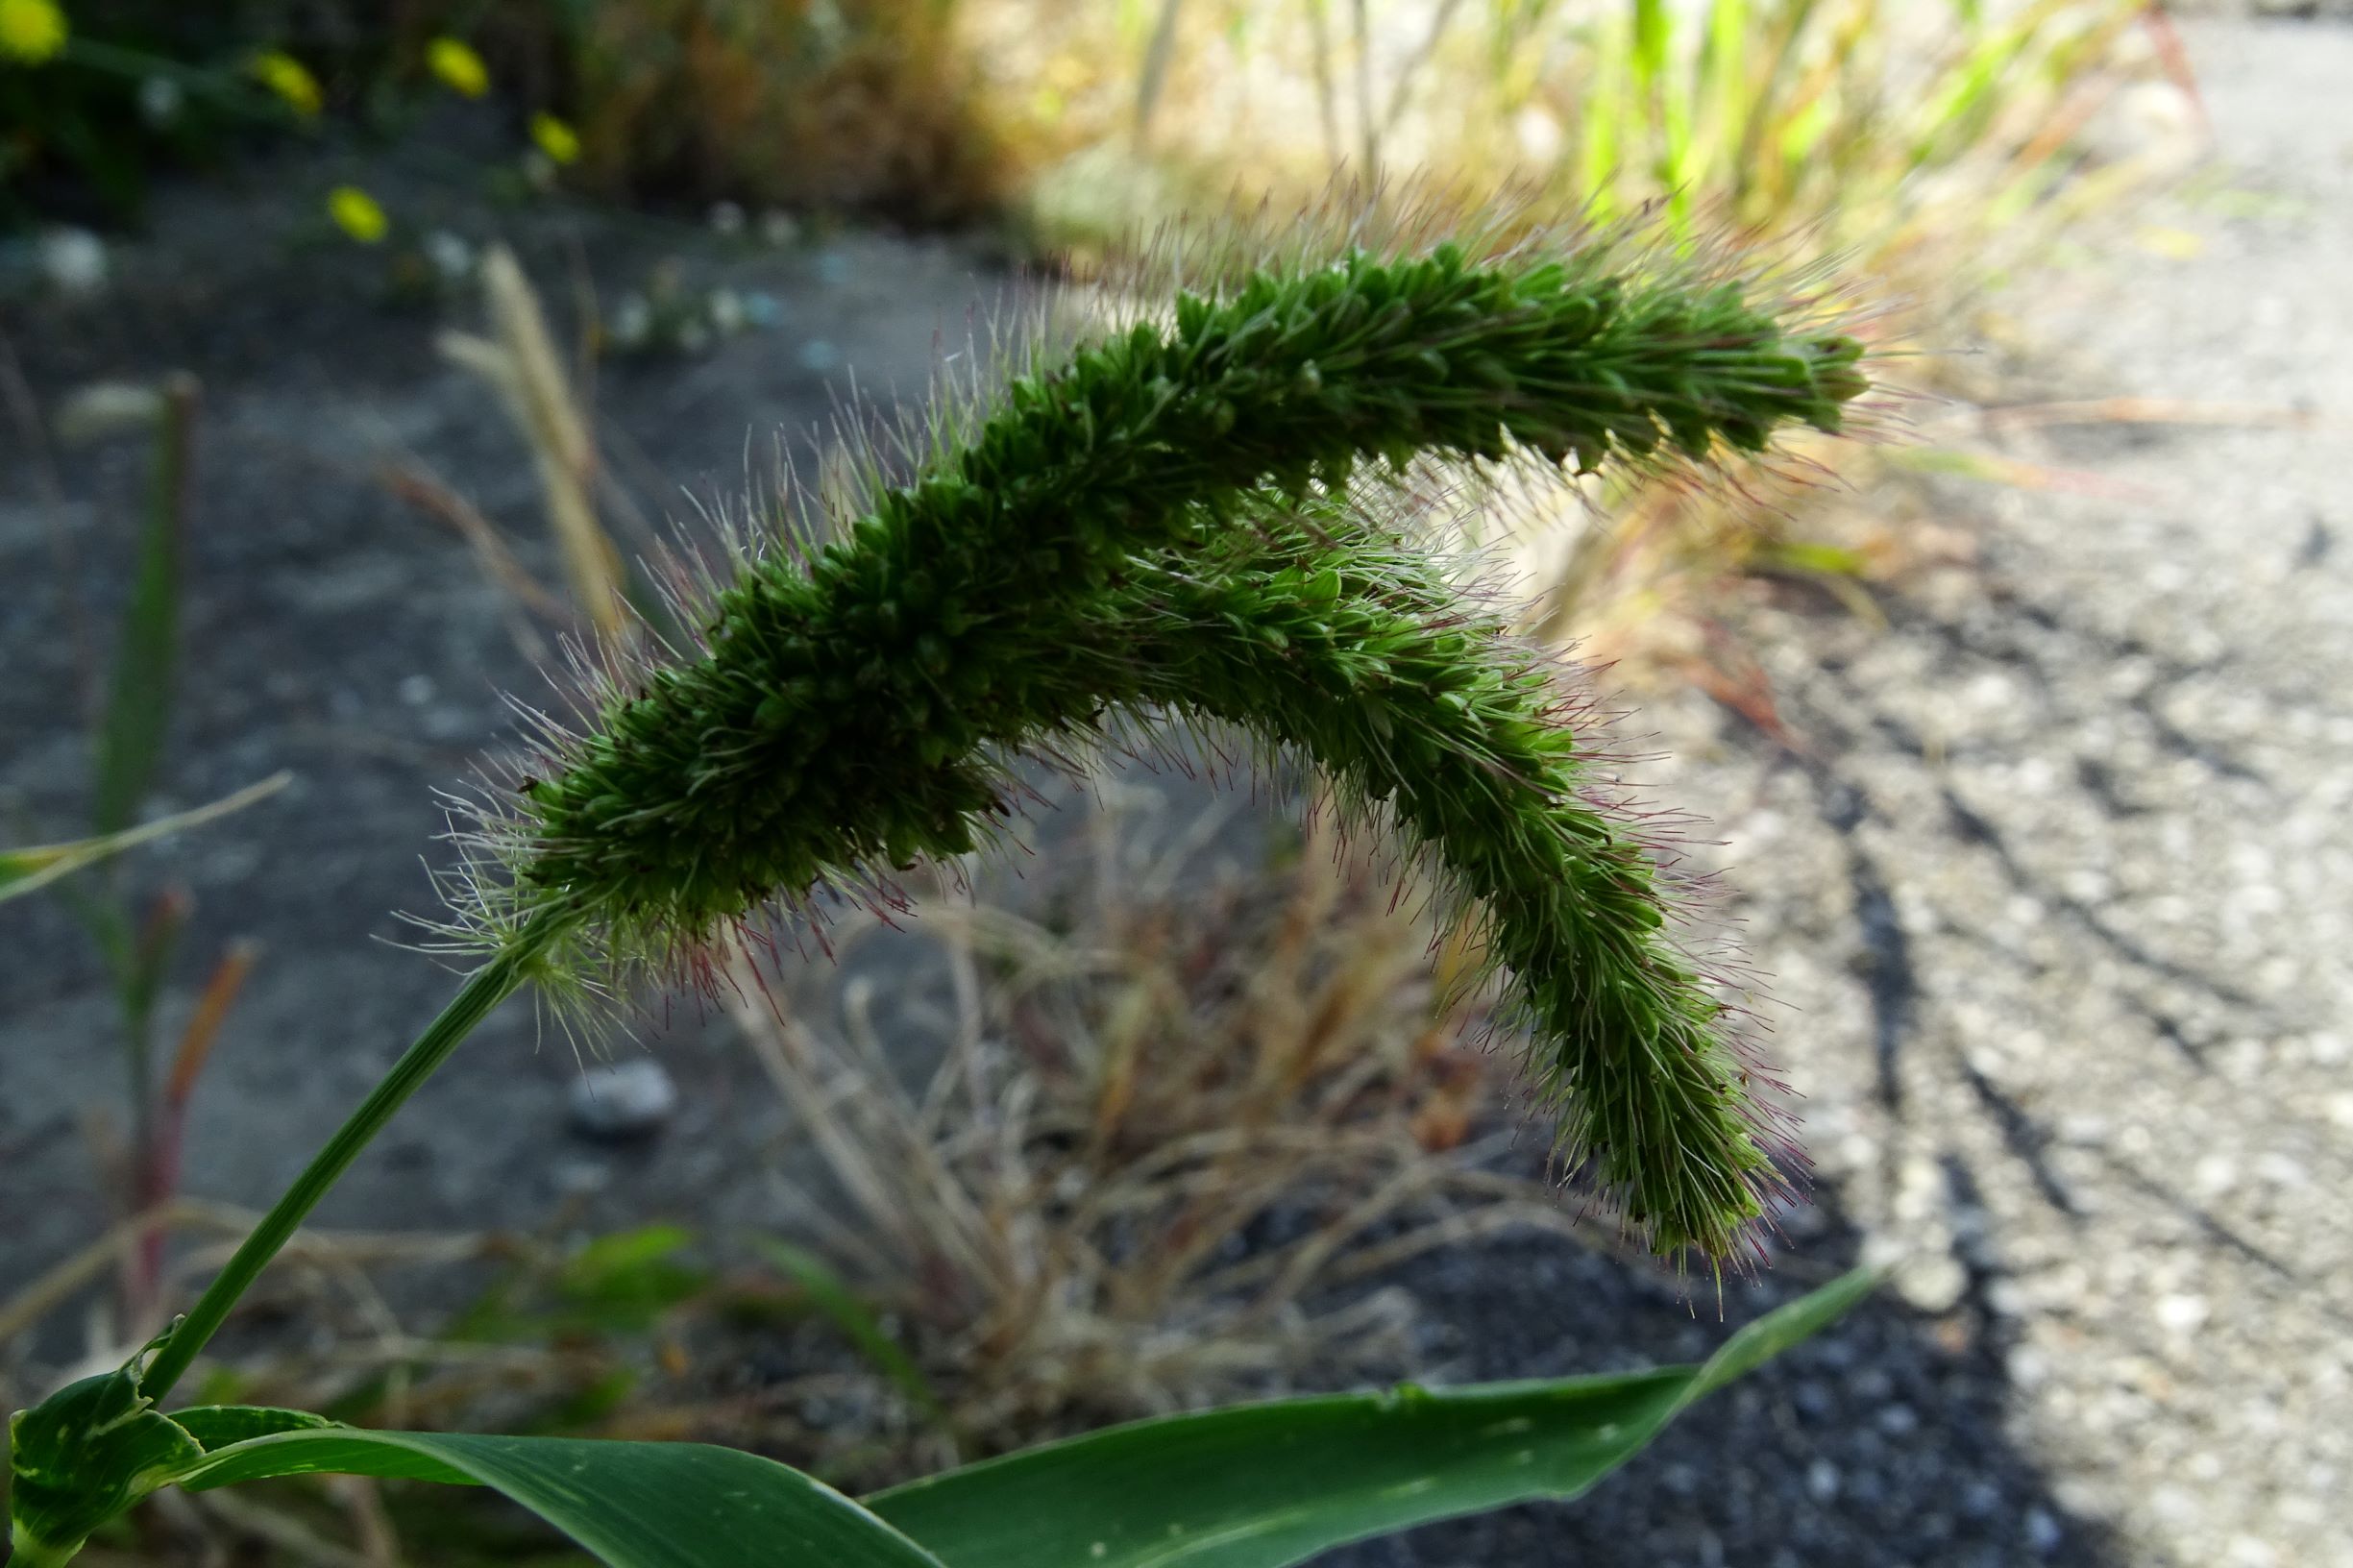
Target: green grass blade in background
<point>1773,65</point>
<point>1602,117</point>
<point>138,701</point>
<point>1722,91</point>
<point>1665,98</point>
<point>633,1505</point>
<point>1264,1485</point>
<point>1654,37</point>
<point>857,1321</point>
<point>1972,92</point>
<point>36,865</point>
<point>1155,73</point>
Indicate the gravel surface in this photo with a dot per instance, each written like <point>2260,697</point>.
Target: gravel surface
<point>2049,873</point>
<point>2054,877</point>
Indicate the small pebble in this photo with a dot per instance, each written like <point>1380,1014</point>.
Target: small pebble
<point>160,99</point>
<point>1821,1481</point>
<point>632,321</point>
<point>452,259</point>
<point>74,260</point>
<point>1933,1284</point>
<point>578,1178</point>
<point>623,1099</point>
<point>727,311</point>
<point>2280,1170</point>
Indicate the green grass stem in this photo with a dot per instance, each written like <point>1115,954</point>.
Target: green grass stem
<point>483,991</point>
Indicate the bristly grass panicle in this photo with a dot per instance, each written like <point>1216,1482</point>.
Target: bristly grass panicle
<point>1324,635</point>
<point>1188,516</point>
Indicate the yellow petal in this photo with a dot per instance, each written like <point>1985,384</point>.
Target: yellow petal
<point>460,69</point>
<point>290,79</point>
<point>357,213</point>
<point>31,31</point>
<point>555,138</point>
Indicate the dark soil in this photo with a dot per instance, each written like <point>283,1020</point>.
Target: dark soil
<point>333,629</point>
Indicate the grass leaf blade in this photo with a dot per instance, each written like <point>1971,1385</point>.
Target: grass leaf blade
<point>36,865</point>
<point>857,1321</point>
<point>138,705</point>
<point>633,1504</point>
<point>1267,1486</point>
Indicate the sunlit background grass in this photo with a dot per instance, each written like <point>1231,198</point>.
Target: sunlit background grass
<point>1927,146</point>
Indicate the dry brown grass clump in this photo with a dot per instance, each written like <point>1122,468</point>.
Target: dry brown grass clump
<point>834,103</point>
<point>1166,1131</point>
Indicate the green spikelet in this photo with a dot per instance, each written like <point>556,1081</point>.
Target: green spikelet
<point>1123,530</point>
<point>1421,707</point>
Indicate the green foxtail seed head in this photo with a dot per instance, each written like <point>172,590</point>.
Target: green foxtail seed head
<point>1180,518</point>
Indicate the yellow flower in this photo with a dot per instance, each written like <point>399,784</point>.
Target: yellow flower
<point>356,215</point>
<point>31,31</point>
<point>460,69</point>
<point>555,139</point>
<point>286,76</point>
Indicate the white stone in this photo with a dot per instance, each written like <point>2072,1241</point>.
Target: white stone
<point>1932,1282</point>
<point>160,100</point>
<point>74,260</point>
<point>450,253</point>
<point>623,1099</point>
<point>1821,1481</point>
<point>2181,1312</point>
<point>2280,1170</point>
<point>632,321</point>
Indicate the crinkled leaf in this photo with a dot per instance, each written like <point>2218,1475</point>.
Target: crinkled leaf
<point>217,1425</point>
<point>84,1455</point>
